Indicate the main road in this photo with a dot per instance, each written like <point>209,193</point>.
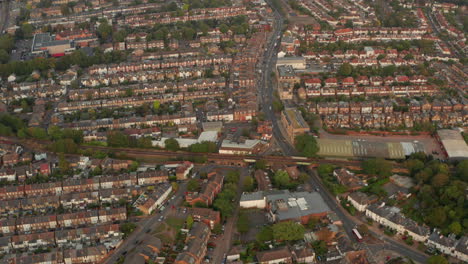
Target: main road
<point>266,89</point>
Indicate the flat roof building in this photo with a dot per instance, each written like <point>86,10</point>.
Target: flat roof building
<point>454,145</point>
<point>45,42</point>
<point>295,206</point>
<point>296,62</point>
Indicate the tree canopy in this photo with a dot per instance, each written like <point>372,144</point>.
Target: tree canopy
<point>281,179</point>
<point>306,145</point>
<point>171,144</point>
<point>379,167</point>
<point>287,231</point>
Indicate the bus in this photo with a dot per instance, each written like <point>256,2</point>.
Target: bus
<point>358,236</point>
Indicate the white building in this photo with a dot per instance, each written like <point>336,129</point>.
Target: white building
<point>360,200</point>
<point>253,200</point>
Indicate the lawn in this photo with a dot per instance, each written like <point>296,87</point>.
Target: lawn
<point>175,223</point>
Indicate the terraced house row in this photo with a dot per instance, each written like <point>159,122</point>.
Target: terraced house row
<point>146,88</point>
<point>71,201</point>
<point>139,100</point>
<point>387,106</point>
<point>193,15</point>
<point>395,119</point>
<point>28,224</point>
<point>109,235</point>
<point>117,123</point>
<point>155,64</point>
<point>148,75</point>
<point>69,186</point>
<point>78,256</point>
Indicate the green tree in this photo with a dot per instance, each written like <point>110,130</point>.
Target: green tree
<point>64,146</point>
<point>156,105</point>
<point>438,259</point>
<point>7,42</point>
<point>127,228</point>
<point>243,223</point>
<point>379,167</point>
<point>193,185</point>
<point>437,217</point>
<point>120,35</point>
<point>217,229</point>
<point>27,30</point>
<point>189,222</point>
<point>439,180</point>
<point>262,164</point>
<point>281,179</point>
<point>320,247</point>
<point>63,164</point>
<point>287,231</point>
<point>55,132</point>
<point>345,69</point>
<point>224,206</point>
<point>462,170</point>
<point>325,169</point>
<point>104,30</point>
<point>414,165</point>
<point>306,145</point>
<point>117,139</point>
<point>171,144</point>
<point>37,132</point>
<point>248,184</point>
<point>65,10</point>
<point>312,223</point>
<point>144,142</point>
<point>265,234</point>
<point>4,57</point>
<point>277,105</point>
<point>232,176</point>
<point>455,228</point>
<point>223,28</point>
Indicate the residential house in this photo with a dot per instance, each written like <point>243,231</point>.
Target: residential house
<point>360,200</point>
<point>275,256</point>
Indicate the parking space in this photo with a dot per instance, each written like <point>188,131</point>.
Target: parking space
<point>257,219</point>
<point>22,50</point>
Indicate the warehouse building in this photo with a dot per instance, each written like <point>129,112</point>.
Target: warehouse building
<point>454,145</point>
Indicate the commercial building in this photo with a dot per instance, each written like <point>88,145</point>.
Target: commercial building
<point>241,147</point>
<point>283,205</point>
<point>46,43</point>
<point>453,143</point>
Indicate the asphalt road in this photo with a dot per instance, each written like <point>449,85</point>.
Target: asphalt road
<point>266,84</point>
<point>144,225</point>
<point>5,14</point>
<point>438,30</point>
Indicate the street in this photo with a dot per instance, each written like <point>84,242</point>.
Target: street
<point>144,225</point>
<point>4,15</point>
<point>266,84</point>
